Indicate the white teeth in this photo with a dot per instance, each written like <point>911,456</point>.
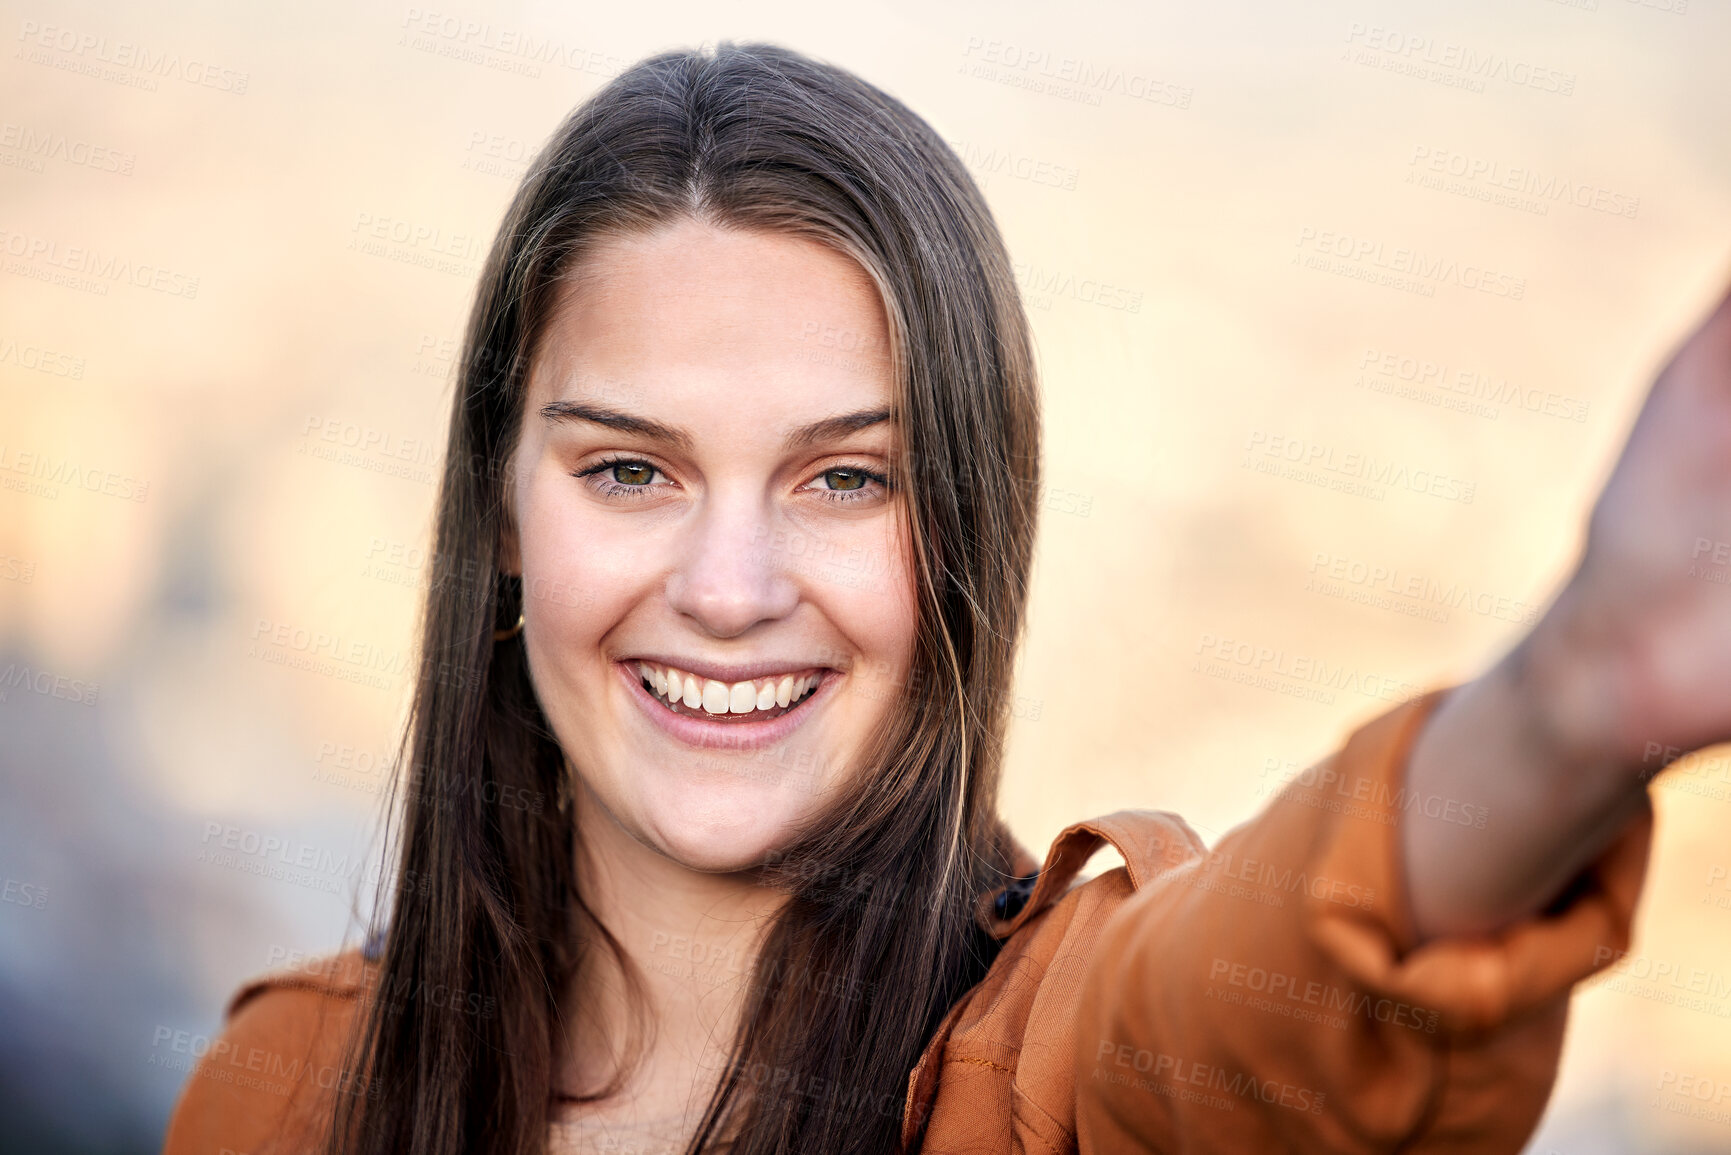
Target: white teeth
<point>715,697</point>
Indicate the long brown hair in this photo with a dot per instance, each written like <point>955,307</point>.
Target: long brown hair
<point>883,887</point>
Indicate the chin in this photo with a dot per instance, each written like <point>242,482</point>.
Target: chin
<point>730,828</point>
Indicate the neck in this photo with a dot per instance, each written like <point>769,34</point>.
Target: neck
<point>690,936</point>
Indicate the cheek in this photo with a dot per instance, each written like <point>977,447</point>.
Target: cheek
<point>581,573</point>
<point>874,604</point>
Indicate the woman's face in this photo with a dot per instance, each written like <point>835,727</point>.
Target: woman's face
<point>705,534</point>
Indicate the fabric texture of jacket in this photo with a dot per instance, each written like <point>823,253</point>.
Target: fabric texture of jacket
<point>1267,995</point>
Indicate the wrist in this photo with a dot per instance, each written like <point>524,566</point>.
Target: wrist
<point>1564,675</point>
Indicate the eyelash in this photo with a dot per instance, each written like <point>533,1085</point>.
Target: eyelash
<point>845,495</point>
<point>610,488</point>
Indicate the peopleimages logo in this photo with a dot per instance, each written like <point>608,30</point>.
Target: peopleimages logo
<point>1339,1000</point>
<point>503,48</point>
<point>40,359</point>
<point>1161,1069</point>
<point>1066,77</point>
<point>1383,371</point>
<point>1371,255</point>
<point>135,64</point>
<point>42,145</point>
<point>1429,58</point>
<point>45,474</point>
<point>1524,180</point>
<point>1263,448</point>
<point>80,261</point>
<point>22,676</point>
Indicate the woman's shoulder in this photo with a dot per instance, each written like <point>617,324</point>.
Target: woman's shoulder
<point>267,1081</point>
<point>1049,923</point>
<point>342,976</point>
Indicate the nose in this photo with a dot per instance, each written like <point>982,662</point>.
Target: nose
<point>729,577</point>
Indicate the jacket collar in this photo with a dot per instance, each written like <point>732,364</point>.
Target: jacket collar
<point>1143,845</point>
<point>1150,843</point>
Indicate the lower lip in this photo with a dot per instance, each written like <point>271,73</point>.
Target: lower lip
<point>723,735</point>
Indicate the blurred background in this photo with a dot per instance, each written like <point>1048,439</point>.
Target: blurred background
<point>1343,309</point>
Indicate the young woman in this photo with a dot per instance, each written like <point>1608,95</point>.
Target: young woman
<point>700,849</point>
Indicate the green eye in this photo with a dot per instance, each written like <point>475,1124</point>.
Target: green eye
<point>633,473</point>
<point>844,479</point>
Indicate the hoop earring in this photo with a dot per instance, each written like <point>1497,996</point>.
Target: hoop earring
<point>564,799</point>
<point>508,585</point>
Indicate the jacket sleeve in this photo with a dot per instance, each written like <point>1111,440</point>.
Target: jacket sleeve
<point>1268,996</point>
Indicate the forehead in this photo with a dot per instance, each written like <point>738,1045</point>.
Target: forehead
<point>691,314</point>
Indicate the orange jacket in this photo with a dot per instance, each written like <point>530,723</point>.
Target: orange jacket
<point>1264,996</point>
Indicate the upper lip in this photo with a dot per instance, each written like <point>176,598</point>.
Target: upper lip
<point>730,671</point>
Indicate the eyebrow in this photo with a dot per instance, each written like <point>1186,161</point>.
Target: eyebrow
<point>829,429</point>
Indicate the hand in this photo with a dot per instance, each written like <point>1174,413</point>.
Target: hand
<point>1639,639</point>
<point>1633,657</point>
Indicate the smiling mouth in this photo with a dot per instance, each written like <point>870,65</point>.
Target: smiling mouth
<point>758,700</point>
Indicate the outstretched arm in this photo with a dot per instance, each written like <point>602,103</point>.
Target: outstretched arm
<point>1382,958</point>
<point>1631,661</point>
